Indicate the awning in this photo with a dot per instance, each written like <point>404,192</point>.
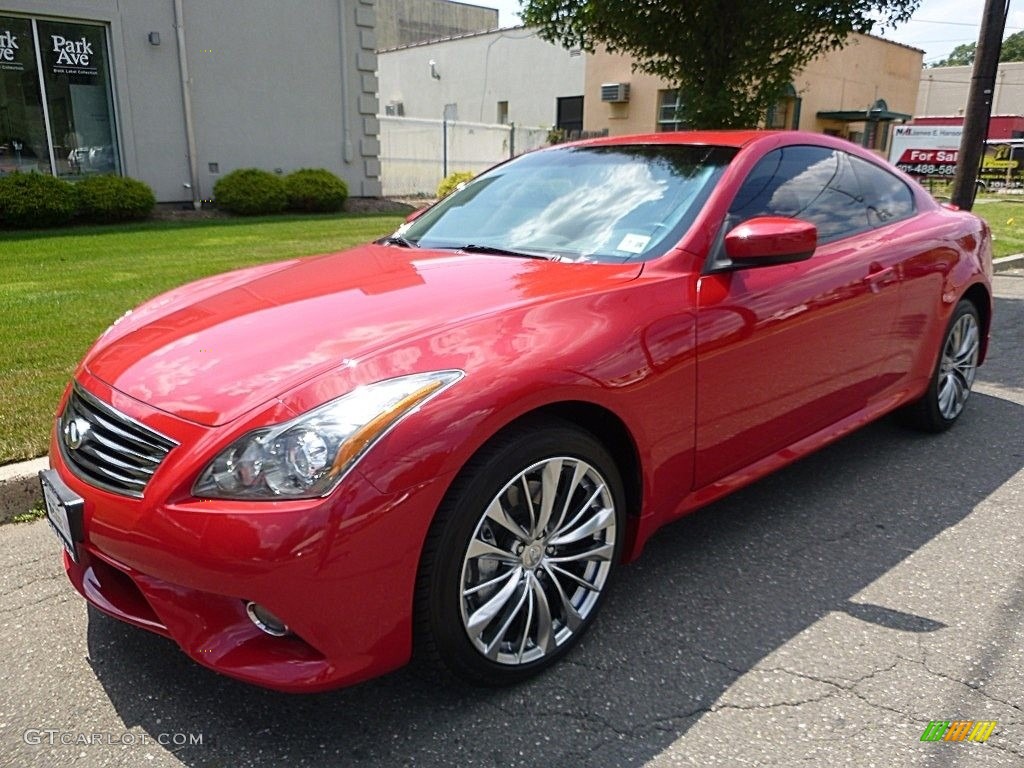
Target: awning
<point>877,112</point>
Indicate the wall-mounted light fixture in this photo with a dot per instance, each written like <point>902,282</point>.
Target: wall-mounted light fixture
<point>433,70</point>
<point>154,38</point>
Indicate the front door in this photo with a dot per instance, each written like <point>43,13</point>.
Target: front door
<point>785,350</point>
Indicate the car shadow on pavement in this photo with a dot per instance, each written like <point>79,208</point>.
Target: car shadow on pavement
<point>1006,349</point>
<point>712,596</point>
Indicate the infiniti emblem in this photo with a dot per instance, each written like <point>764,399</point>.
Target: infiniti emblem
<point>75,433</point>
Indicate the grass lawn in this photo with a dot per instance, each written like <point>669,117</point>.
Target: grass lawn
<point>60,289</point>
<point>1006,217</point>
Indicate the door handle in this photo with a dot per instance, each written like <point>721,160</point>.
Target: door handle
<point>879,275</point>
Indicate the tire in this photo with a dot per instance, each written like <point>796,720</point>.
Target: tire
<point>501,595</point>
<point>953,376</point>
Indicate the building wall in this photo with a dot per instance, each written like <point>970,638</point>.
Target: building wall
<point>477,72</point>
<point>999,126</point>
<point>943,90</point>
<point>403,22</point>
<point>270,92</point>
<point>854,77</point>
<point>266,83</point>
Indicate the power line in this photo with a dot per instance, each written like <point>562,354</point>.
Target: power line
<point>974,24</point>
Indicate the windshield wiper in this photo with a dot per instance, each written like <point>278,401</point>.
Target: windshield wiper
<point>496,251</point>
<point>399,240</point>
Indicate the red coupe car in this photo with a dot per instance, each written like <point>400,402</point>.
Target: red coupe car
<point>450,439</point>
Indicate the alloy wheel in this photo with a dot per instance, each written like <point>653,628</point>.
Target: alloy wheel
<point>959,366</point>
<point>537,561</point>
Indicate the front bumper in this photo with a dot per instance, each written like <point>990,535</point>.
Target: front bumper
<point>340,572</point>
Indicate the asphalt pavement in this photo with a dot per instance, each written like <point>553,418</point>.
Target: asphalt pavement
<point>820,617</point>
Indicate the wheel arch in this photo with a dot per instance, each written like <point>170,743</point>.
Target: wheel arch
<point>980,297</point>
<point>609,429</point>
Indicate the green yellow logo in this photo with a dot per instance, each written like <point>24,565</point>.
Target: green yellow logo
<point>959,730</point>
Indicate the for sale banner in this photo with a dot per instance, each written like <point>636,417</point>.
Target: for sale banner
<point>926,150</point>
<point>931,151</point>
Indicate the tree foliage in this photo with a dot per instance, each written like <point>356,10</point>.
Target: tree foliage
<point>731,59</point>
<point>963,55</point>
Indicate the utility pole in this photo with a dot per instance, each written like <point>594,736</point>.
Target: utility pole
<point>979,102</point>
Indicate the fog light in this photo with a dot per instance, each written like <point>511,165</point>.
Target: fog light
<point>265,620</point>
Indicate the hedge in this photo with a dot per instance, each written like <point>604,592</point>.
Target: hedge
<point>316,190</point>
<point>251,192</point>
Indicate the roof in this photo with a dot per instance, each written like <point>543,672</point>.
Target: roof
<point>463,36</point>
<point>892,42</point>
<point>711,138</point>
<point>739,140</point>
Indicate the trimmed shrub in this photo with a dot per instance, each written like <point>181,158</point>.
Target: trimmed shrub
<point>250,192</point>
<point>451,181</point>
<point>35,200</point>
<point>108,199</point>
<point>316,190</point>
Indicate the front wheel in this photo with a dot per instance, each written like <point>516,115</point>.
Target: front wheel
<point>520,556</point>
<point>954,373</point>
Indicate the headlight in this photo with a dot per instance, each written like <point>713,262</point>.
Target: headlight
<point>308,456</point>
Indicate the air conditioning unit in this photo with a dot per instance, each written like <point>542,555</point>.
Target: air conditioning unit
<point>615,93</point>
<point>394,109</point>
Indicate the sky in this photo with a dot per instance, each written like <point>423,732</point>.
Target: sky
<point>937,27</point>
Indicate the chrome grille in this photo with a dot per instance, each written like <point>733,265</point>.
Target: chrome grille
<point>107,449</point>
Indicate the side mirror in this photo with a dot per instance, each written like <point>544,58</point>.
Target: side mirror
<point>768,240</point>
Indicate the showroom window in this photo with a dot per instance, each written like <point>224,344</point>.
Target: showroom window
<point>56,102</point>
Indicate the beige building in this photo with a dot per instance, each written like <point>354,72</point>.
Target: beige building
<point>943,90</point>
<point>856,92</point>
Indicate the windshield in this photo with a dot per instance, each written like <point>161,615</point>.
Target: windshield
<point>604,203</point>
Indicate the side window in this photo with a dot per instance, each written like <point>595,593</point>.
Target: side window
<point>886,197</point>
<point>811,183</point>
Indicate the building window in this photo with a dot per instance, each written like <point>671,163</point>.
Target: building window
<point>58,119</point>
<point>669,104</point>
<point>502,113</point>
<point>569,115</point>
<point>785,114</point>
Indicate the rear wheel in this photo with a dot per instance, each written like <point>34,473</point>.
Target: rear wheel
<point>520,556</point>
<point>953,376</point>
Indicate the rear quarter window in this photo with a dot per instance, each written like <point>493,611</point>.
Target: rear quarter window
<point>886,197</point>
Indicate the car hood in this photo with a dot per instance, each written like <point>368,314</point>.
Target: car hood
<point>213,350</point>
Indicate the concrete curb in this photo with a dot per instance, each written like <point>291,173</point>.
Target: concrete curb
<point>1008,262</point>
<point>19,487</point>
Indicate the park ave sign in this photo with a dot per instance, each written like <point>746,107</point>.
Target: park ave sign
<point>72,53</point>
<point>8,45</point>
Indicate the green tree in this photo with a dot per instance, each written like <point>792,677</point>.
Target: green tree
<point>963,55</point>
<point>731,59</point>
<point>960,56</point>
<point>1013,48</point>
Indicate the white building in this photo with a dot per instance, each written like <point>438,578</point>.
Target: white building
<point>944,90</point>
<point>503,76</point>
